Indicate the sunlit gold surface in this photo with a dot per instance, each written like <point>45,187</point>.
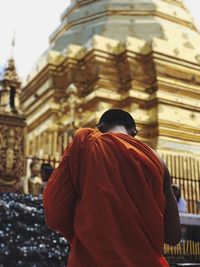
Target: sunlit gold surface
<point>151,68</point>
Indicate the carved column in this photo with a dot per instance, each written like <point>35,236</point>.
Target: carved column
<point>12,131</point>
<point>12,151</point>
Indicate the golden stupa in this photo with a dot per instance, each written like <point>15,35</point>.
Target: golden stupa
<point>139,55</point>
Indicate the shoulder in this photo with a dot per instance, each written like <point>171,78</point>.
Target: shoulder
<point>83,132</point>
<point>82,135</point>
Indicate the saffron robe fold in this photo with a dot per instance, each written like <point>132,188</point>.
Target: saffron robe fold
<point>106,197</point>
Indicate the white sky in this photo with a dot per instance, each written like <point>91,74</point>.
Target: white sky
<point>34,21</point>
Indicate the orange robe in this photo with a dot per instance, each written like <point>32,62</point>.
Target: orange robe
<point>106,197</point>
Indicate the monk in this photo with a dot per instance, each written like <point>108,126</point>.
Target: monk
<point>111,197</point>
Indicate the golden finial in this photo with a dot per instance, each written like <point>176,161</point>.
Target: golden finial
<point>13,44</point>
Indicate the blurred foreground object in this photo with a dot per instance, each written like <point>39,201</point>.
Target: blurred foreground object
<point>25,240</point>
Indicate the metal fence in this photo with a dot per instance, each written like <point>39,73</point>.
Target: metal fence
<point>52,161</point>
<point>185,172</point>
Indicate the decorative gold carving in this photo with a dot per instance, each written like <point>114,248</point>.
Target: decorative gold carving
<point>176,52</point>
<point>12,163</point>
<point>73,101</point>
<point>198,58</point>
<point>35,180</point>
<point>33,184</point>
<point>9,160</point>
<point>12,151</point>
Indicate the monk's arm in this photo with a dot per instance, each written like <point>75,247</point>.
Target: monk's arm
<point>172,225</point>
<point>59,199</point>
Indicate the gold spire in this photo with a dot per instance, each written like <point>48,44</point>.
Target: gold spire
<point>10,89</point>
<point>10,86</point>
<point>12,129</point>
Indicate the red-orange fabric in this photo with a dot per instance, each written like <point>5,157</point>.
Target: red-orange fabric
<point>106,197</point>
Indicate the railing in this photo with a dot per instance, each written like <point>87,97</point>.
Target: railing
<point>185,172</point>
<point>190,192</point>
<point>53,161</point>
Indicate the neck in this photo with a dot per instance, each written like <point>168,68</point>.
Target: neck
<point>118,129</point>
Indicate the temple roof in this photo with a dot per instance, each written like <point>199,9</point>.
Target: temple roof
<point>143,19</point>
<point>142,26</point>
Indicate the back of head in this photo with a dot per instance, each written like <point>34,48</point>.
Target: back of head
<point>117,117</point>
<point>46,170</point>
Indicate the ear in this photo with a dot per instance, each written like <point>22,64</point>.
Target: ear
<point>102,127</point>
<point>133,132</point>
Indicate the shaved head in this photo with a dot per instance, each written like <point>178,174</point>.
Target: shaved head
<point>117,117</point>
